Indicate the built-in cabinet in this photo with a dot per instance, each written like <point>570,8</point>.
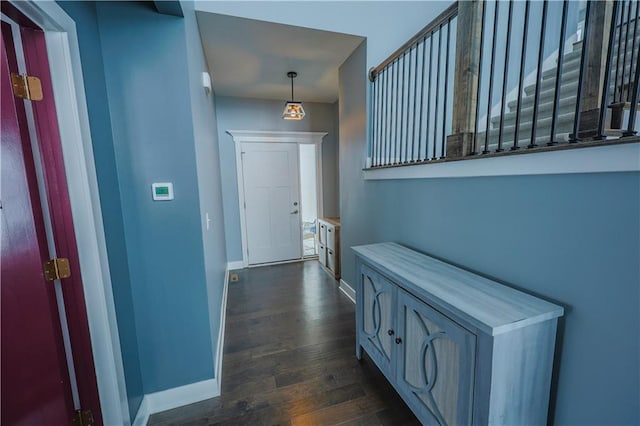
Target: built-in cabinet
<point>329,245</point>
<point>458,348</point>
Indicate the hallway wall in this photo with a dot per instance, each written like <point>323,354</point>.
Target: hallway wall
<point>151,121</point>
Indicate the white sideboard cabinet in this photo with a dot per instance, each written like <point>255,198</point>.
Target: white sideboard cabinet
<point>329,245</point>
<point>460,349</point>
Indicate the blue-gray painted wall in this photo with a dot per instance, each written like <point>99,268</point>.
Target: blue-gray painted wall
<point>152,121</point>
<point>208,169</point>
<point>148,89</point>
<point>570,239</point>
<point>259,114</point>
<point>84,14</point>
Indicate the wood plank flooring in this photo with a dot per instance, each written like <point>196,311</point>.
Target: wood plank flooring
<point>289,358</point>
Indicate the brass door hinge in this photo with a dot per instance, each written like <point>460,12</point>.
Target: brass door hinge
<point>26,87</point>
<point>82,418</point>
<point>56,269</point>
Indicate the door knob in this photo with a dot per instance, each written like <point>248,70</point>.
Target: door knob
<point>294,212</point>
<point>398,340</point>
<point>390,332</point>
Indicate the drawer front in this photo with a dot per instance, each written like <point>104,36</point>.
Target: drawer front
<point>331,237</point>
<point>322,254</point>
<point>323,232</point>
<point>331,259</point>
<point>436,363</point>
<point>376,306</point>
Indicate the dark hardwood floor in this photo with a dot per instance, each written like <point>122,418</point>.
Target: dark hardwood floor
<point>289,358</point>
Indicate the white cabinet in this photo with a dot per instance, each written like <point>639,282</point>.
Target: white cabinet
<point>329,246</point>
<point>458,348</point>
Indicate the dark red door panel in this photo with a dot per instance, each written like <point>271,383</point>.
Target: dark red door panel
<point>35,388</point>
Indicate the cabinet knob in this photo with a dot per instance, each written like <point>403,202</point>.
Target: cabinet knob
<point>398,340</point>
<point>390,332</point>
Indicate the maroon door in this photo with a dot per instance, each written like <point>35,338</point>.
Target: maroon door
<point>36,388</point>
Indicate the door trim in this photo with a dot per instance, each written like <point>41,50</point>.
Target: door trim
<point>66,74</point>
<point>251,136</point>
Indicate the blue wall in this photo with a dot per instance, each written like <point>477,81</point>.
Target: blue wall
<point>260,114</point>
<point>149,101</point>
<point>208,169</point>
<point>84,14</point>
<point>570,239</point>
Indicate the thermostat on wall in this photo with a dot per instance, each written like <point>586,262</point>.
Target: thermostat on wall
<point>162,191</point>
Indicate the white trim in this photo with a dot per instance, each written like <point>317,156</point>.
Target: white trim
<point>248,136</point>
<point>240,136</point>
<point>348,290</point>
<point>223,321</point>
<point>71,106</point>
<point>175,397</point>
<point>596,159</point>
<point>236,264</point>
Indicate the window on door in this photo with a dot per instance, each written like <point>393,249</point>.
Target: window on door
<point>309,198</point>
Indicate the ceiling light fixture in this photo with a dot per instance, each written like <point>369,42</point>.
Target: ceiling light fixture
<point>293,110</point>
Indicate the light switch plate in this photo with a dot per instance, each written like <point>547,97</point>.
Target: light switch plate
<point>162,191</point>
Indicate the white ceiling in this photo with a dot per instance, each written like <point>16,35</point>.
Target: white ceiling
<point>250,59</point>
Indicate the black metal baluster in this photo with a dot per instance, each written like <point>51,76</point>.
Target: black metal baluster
<point>429,97</point>
<point>491,69</point>
<point>615,83</point>
<point>424,53</point>
<point>435,113</point>
<point>406,113</point>
<point>475,126</point>
<point>633,45</point>
<point>415,105</point>
<point>402,114</point>
<point>607,74</point>
<point>373,123</point>
<point>395,128</point>
<point>390,148</point>
<point>387,116</point>
<point>385,123</point>
<point>378,83</point>
<point>523,56</point>
<point>444,101</point>
<point>634,105</point>
<point>505,76</point>
<point>583,69</point>
<point>556,97</point>
<point>398,140</point>
<point>536,97</point>
<point>624,55</point>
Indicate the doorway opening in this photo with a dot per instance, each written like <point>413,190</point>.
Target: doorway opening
<point>308,199</point>
<point>279,207</point>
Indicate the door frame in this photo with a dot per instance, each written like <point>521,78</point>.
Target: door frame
<point>73,120</point>
<point>252,136</point>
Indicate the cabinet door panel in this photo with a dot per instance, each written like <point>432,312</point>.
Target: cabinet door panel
<point>436,363</point>
<point>322,254</point>
<point>377,318</point>
<point>331,237</point>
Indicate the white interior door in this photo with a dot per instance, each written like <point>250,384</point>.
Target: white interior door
<point>272,205</point>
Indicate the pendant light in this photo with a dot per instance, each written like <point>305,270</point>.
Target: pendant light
<point>293,110</point>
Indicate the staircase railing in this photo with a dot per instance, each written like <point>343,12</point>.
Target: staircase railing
<point>494,77</point>
<point>411,106</point>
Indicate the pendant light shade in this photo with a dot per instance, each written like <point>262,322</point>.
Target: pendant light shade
<point>293,110</point>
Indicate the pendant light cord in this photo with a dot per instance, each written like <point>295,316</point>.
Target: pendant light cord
<point>292,89</point>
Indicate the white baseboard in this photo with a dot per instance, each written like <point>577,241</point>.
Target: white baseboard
<point>348,290</point>
<point>237,264</point>
<point>188,394</point>
<point>175,397</point>
<point>223,317</point>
